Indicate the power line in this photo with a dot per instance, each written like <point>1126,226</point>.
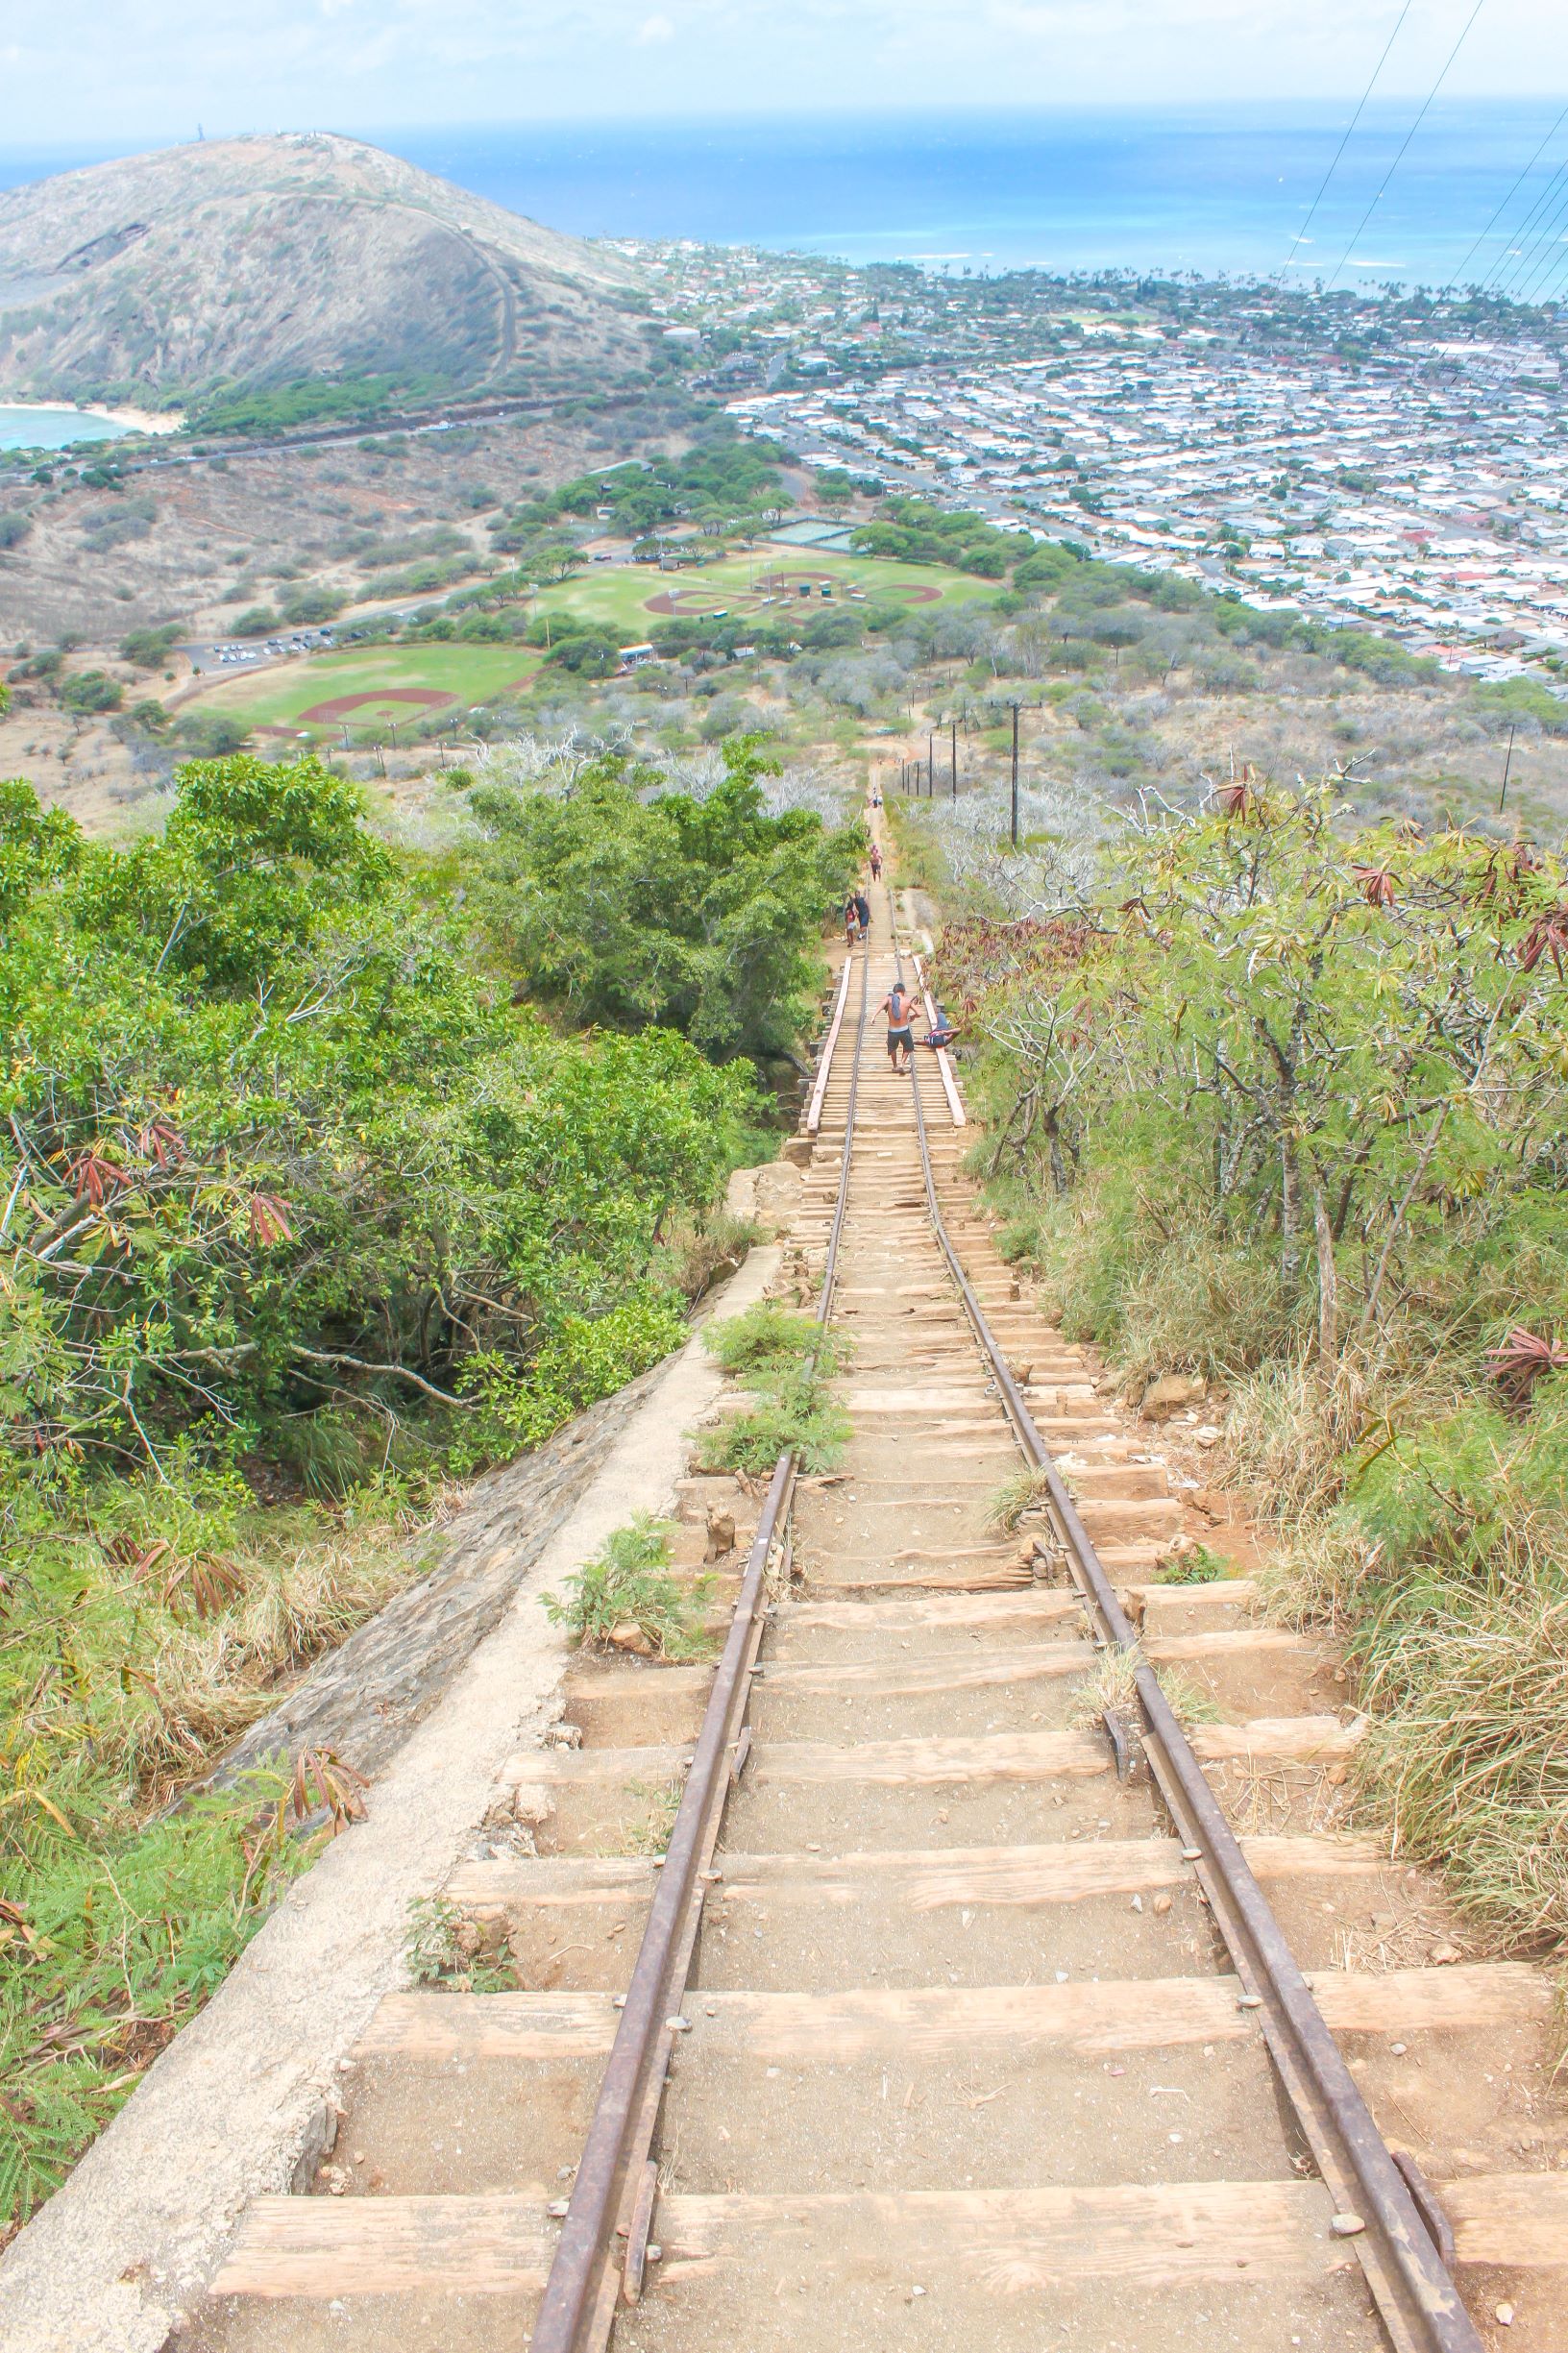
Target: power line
<point>1532,234</point>
<point>1507,200</point>
<point>1527,241</point>
<point>1541,258</point>
<point>1361,110</point>
<point>1406,143</point>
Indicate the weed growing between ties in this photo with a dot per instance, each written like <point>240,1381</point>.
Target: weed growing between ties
<point>1112,1689</point>
<point>626,1592</point>
<point>767,1340</point>
<point>796,1413</point>
<point>449,1952</point>
<point>784,1358</point>
<point>1198,1567</point>
<point>1282,1103</point>
<point>661,1803</point>
<point>1019,1495</point>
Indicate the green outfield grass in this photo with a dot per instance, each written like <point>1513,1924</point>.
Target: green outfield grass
<point>628,597</point>
<point>631,600</point>
<point>291,700</point>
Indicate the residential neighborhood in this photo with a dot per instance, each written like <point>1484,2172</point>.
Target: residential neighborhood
<point>1365,460</point>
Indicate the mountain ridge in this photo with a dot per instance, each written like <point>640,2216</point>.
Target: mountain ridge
<point>267,260</point>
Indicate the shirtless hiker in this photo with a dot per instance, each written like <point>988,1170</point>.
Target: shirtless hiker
<point>899,1006</point>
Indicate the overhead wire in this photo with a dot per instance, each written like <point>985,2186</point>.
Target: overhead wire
<point>1539,253</point>
<point>1459,275</point>
<point>1361,110</point>
<point>1536,265</point>
<point>1405,144</point>
<point>1527,241</point>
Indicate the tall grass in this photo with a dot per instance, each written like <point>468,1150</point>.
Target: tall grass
<point>1288,1115</point>
<point>149,1629</point>
<point>1412,1517</point>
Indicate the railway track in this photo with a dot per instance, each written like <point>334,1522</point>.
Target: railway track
<point>898,1980</point>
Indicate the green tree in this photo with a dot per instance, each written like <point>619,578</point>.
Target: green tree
<point>150,649</point>
<point>91,692</point>
<point>627,903</point>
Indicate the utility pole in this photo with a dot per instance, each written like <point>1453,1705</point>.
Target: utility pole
<point>931,765</point>
<point>1014,775</point>
<point>953,723</point>
<point>1507,763</point>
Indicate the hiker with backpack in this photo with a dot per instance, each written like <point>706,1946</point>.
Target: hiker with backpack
<point>900,1007</point>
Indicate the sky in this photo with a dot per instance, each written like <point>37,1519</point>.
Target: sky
<point>85,72</point>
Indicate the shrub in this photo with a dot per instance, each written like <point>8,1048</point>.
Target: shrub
<point>797,1414</point>
<point>150,649</point>
<point>309,607</point>
<point>628,1584</point>
<point>210,735</point>
<point>624,904</point>
<point>1285,1107</point>
<point>767,1340</point>
<point>91,692</point>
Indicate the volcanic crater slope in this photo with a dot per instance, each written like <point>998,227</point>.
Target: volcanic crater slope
<point>259,262</point>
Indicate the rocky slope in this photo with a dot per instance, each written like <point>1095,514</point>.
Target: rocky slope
<point>260,262</point>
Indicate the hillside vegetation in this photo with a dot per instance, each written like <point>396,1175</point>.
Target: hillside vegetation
<point>307,1205</point>
<point>1281,1101</point>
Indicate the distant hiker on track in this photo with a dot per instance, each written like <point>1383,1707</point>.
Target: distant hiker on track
<point>876,864</point>
<point>899,1006</point>
<point>939,1034</point>
<point>862,913</point>
<point>851,919</point>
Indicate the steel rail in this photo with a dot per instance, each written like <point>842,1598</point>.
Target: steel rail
<point>1410,2284</point>
<point>950,1086</point>
<point>818,1092</point>
<point>582,2289</point>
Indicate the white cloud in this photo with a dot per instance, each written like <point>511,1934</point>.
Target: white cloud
<point>131,70</point>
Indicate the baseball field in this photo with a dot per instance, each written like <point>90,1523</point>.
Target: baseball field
<point>366,696</point>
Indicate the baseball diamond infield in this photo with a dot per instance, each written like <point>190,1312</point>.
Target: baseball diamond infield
<point>364,688</point>
<point>343,707</point>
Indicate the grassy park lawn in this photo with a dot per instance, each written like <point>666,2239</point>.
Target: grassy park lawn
<point>368,692</point>
<point>634,598</point>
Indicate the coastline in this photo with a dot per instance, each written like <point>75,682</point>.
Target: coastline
<point>139,419</point>
<point>158,422</point>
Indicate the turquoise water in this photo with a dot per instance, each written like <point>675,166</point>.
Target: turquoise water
<point>52,428</point>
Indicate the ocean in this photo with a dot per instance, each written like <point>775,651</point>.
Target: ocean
<point>1211,190</point>
<point>52,429</point>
